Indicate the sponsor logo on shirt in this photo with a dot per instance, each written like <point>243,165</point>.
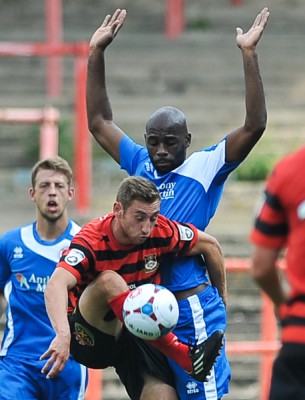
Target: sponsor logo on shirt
<point>167,190</point>
<point>22,280</point>
<point>132,286</point>
<point>186,233</point>
<point>151,263</point>
<point>74,257</point>
<point>37,283</point>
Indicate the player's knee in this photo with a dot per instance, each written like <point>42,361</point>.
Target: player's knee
<point>110,282</point>
<point>156,389</point>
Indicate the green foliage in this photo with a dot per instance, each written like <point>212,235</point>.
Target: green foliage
<point>256,167</point>
<point>65,143</point>
<point>66,140</point>
<point>198,24</point>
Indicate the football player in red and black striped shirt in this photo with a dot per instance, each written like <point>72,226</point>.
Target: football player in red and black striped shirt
<point>279,226</point>
<point>109,257</point>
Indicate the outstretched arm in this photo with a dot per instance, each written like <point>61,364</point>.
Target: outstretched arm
<point>99,112</point>
<point>56,299</point>
<point>241,141</point>
<point>210,248</point>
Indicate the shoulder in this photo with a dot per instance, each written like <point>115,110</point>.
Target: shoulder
<point>12,239</point>
<point>289,168</point>
<point>168,227</point>
<point>292,161</point>
<point>128,142</point>
<point>215,152</point>
<point>93,229</point>
<point>74,228</point>
<point>14,233</point>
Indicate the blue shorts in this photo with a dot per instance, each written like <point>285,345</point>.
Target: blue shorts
<point>21,379</point>
<point>199,316</point>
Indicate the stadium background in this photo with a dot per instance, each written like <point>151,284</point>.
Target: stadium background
<point>199,72</point>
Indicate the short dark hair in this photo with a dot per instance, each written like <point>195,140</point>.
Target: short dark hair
<point>57,164</point>
<point>137,188</point>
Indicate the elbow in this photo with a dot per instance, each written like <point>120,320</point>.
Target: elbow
<point>258,126</point>
<point>261,125</point>
<point>258,272</point>
<point>216,248</point>
<point>94,125</point>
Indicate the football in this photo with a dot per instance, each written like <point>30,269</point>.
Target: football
<point>150,311</point>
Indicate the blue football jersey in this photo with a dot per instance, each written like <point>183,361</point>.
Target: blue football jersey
<point>26,265</point>
<point>190,193</point>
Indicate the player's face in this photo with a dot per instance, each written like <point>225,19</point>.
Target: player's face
<point>51,194</point>
<point>166,145</point>
<point>137,222</point>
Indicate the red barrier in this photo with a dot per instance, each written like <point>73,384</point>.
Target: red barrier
<point>95,385</point>
<point>237,2</point>
<point>53,28</point>
<point>268,344</point>
<point>82,142</point>
<point>80,51</point>
<point>174,18</point>
<point>47,118</point>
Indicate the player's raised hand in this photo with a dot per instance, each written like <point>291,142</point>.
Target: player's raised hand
<point>249,40</point>
<point>111,25</point>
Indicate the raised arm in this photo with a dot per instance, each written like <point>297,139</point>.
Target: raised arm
<point>209,247</point>
<point>99,112</point>
<point>56,299</point>
<point>241,141</point>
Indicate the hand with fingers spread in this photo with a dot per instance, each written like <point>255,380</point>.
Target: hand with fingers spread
<point>57,355</point>
<point>249,40</point>
<point>111,25</point>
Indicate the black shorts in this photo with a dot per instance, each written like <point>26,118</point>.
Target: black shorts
<point>131,357</point>
<point>288,374</point>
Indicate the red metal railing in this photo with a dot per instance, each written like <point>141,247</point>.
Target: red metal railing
<point>268,344</point>
<point>47,118</point>
<point>82,154</point>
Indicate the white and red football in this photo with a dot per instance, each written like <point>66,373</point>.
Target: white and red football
<point>150,311</point>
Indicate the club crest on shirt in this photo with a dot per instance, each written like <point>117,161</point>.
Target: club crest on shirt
<point>74,257</point>
<point>83,335</point>
<point>150,263</point>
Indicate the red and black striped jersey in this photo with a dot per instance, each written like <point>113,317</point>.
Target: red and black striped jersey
<point>280,224</point>
<point>94,249</point>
